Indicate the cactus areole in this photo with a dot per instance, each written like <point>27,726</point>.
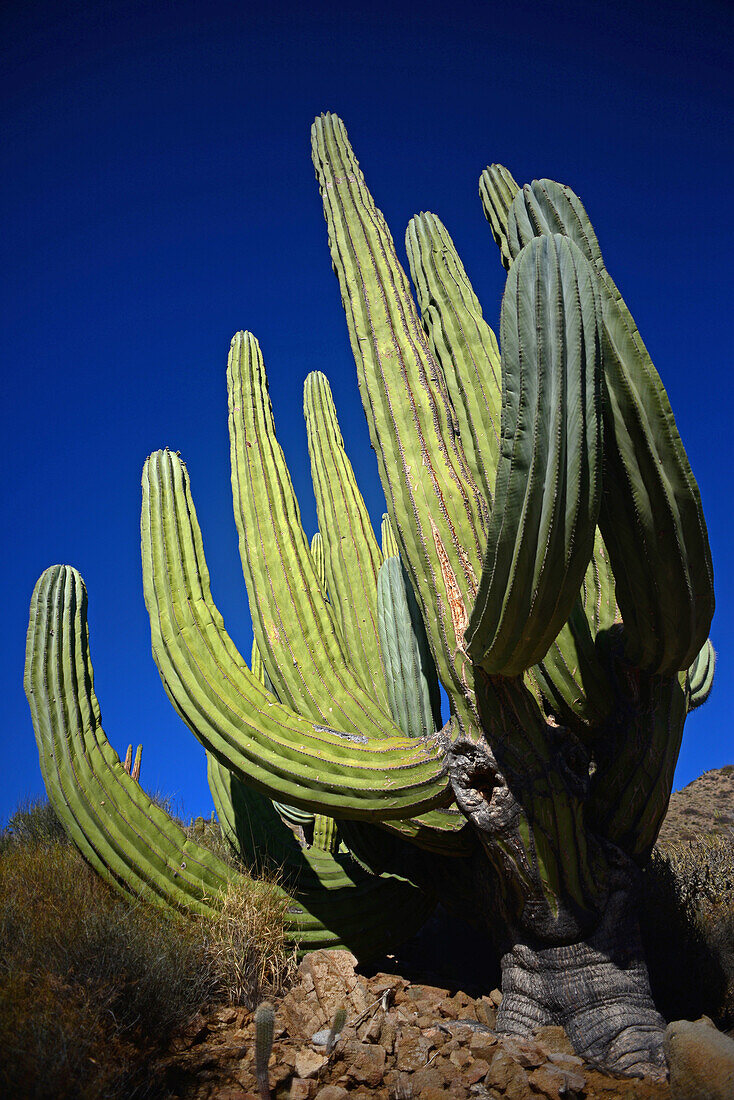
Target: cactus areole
<point>543,556</point>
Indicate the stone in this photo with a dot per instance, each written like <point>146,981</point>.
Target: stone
<point>555,1083</point>
<point>413,1050</point>
<point>301,1089</point>
<point>425,1079</point>
<point>505,1073</point>
<point>475,1071</point>
<point>331,1092</point>
<point>483,1045</point>
<point>552,1037</point>
<point>486,1011</point>
<point>496,997</point>
<point>335,983</point>
<point>308,1063</point>
<point>524,1051</point>
<point>365,1062</point>
<point>701,1061</point>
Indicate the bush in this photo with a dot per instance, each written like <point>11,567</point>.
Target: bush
<point>687,919</point>
<point>92,986</point>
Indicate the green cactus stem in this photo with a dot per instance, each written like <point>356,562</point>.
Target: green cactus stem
<point>264,1031</point>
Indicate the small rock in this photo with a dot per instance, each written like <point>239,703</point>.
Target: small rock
<point>301,1089</point>
<point>226,1015</point>
<point>365,1062</point>
<point>505,1073</point>
<point>496,997</point>
<point>552,1037</point>
<point>308,1063</point>
<point>413,1050</point>
<point>486,1012</point>
<point>701,1061</point>
<point>554,1083</point>
<point>331,1092</point>
<point>475,1071</point>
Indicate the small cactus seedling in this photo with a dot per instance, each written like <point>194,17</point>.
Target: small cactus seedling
<point>264,1030</point>
<point>337,1026</point>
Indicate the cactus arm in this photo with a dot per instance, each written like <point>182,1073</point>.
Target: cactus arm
<point>701,676</point>
<point>319,559</point>
<point>634,775</point>
<point>651,514</point>
<point>129,840</point>
<point>410,672</point>
<point>497,189</point>
<point>541,534</point>
<point>435,508</point>
<point>352,556</point>
<point>297,631</point>
<point>226,707</point>
<point>389,543</point>
<point>462,342</point>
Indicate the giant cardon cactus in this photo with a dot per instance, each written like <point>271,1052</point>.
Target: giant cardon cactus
<point>544,557</point>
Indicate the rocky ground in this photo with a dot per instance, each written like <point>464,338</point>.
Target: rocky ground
<point>420,1026</point>
<point>402,1040</point>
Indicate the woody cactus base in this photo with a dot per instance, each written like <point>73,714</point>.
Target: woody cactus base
<point>543,556</point>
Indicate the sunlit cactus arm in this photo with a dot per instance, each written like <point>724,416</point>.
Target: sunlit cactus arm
<point>390,548</point>
<point>434,506</point>
<point>462,342</point>
<point>126,837</point>
<point>541,533</point>
<point>228,709</point>
<point>651,515</point>
<point>297,631</point>
<point>319,559</point>
<point>701,676</point>
<point>352,555</point>
<point>497,189</point>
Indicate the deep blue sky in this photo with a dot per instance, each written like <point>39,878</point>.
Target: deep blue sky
<point>158,195</point>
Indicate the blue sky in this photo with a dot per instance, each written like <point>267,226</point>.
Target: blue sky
<point>158,196</point>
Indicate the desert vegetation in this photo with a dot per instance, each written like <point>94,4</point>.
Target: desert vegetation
<point>93,985</point>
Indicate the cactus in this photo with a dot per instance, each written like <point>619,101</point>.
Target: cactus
<point>264,1030</point>
<point>543,557</point>
<point>337,1026</point>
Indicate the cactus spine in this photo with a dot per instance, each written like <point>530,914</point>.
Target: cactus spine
<point>543,556</point>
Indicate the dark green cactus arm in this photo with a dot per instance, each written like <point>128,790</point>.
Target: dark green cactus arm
<point>541,534</point>
<point>572,676</point>
<point>497,189</point>
<point>297,631</point>
<point>352,556</point>
<point>129,840</point>
<point>462,342</point>
<point>634,775</point>
<point>651,514</point>
<point>410,672</point>
<point>227,708</point>
<point>701,676</point>
<point>435,508</point>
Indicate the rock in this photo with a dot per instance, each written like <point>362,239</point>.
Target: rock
<point>486,1011</point>
<point>301,1089</point>
<point>496,997</point>
<point>412,1051</point>
<point>552,1038</point>
<point>556,1083</point>
<point>335,983</point>
<point>308,1063</point>
<point>365,1062</point>
<point>505,1073</point>
<point>483,1045</point>
<point>701,1061</point>
<point>331,1092</point>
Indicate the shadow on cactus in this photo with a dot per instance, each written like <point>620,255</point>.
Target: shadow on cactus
<point>544,557</point>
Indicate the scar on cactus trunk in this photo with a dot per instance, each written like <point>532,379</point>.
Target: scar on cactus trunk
<point>544,558</point>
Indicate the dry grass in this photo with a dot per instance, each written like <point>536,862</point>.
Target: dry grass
<point>92,986</point>
<point>688,928</point>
